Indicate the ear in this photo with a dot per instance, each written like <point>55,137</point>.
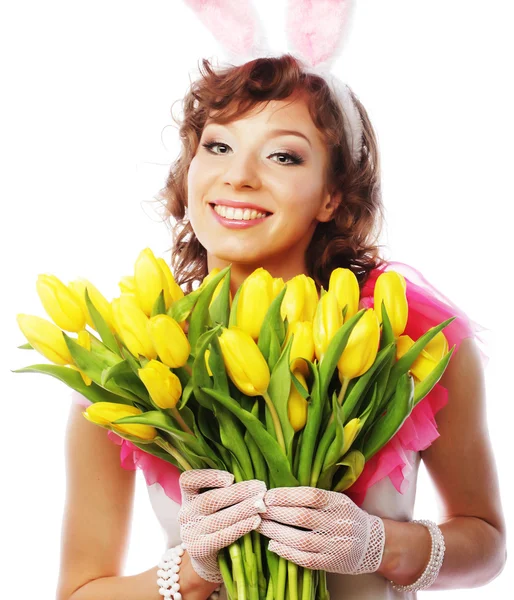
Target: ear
<point>329,206</point>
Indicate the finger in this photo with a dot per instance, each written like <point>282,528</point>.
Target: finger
<point>306,541</point>
<point>192,481</point>
<point>309,560</point>
<point>221,539</point>
<point>212,501</point>
<point>302,495</point>
<point>227,517</point>
<point>299,516</point>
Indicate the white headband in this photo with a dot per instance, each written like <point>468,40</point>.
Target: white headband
<point>314,32</point>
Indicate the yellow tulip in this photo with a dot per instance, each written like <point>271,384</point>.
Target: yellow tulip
<point>104,413</point>
<point>45,337</point>
<point>362,347</point>
<point>84,340</point>
<point>99,301</point>
<point>429,357</point>
<point>149,280</point>
<point>162,384</point>
<point>327,320</point>
<point>350,432</point>
<point>391,287</point>
<point>345,285</point>
<point>255,298</point>
<point>126,285</point>
<point>278,286</point>
<point>300,299</point>
<point>131,324</point>
<point>206,356</point>
<point>302,346</point>
<point>172,291</point>
<point>60,303</point>
<point>244,362</point>
<point>169,340</point>
<point>297,405</point>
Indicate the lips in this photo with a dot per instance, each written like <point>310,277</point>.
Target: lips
<point>242,205</point>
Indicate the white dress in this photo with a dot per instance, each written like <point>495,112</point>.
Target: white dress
<point>382,499</point>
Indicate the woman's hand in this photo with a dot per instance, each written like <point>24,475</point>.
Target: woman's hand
<point>216,518</point>
<point>339,537</point>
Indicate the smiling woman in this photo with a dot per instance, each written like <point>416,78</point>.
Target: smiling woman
<point>268,136</point>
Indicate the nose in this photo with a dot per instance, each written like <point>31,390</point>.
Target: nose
<point>242,172</point>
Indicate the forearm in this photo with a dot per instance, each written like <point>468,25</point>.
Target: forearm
<point>475,553</point>
<point>143,586</point>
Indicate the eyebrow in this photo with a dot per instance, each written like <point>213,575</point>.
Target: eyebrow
<point>274,132</point>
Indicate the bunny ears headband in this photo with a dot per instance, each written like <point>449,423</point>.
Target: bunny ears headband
<point>314,32</point>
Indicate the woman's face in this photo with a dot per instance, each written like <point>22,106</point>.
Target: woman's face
<point>249,161</point>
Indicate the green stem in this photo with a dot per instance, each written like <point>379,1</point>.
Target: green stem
<point>323,593</point>
<point>282,575</point>
<point>238,571</point>
<point>174,452</point>
<point>307,584</point>
<point>321,452</point>
<point>174,411</point>
<point>250,564</point>
<point>292,580</point>
<point>225,572</point>
<point>270,595</point>
<point>340,396</point>
<point>260,570</point>
<point>276,422</point>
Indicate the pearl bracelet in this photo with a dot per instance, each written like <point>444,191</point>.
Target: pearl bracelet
<point>168,574</point>
<point>434,564</point>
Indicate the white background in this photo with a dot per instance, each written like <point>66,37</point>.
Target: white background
<point>87,92</point>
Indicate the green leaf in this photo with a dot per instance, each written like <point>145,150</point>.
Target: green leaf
<point>232,322</point>
<point>26,346</point>
<point>181,309</point>
<point>273,330</point>
<point>334,451</point>
<point>425,386</point>
<point>355,462</point>
<point>121,368</point>
<point>334,351</point>
<point>200,376</point>
<point>219,310</point>
<point>278,390</point>
<point>398,409</point>
<point>258,461</point>
<point>276,460</point>
<point>160,420</point>
<point>352,401</point>
<point>199,318</point>
<point>159,306</point>
<point>406,361</point>
<point>74,380</point>
<point>101,326</point>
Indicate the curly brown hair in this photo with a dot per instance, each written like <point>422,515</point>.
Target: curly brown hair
<point>349,239</point>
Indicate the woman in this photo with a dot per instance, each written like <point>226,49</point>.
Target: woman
<point>316,208</point>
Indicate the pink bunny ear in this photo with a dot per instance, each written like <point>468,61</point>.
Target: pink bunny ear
<point>315,29</point>
<point>235,24</point>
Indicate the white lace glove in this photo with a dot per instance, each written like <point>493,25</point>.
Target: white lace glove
<point>340,537</point>
<point>216,518</point>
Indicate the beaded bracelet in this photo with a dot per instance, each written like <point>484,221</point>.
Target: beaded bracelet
<point>168,574</point>
<point>435,563</point>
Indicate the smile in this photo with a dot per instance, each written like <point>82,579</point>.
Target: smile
<point>237,218</point>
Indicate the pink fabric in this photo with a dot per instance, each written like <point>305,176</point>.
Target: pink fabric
<point>427,307</point>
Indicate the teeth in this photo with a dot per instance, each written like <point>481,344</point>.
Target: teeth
<point>239,214</point>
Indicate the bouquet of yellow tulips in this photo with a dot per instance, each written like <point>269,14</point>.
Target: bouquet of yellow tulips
<point>275,384</point>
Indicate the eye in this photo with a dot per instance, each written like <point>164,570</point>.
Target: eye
<point>293,157</point>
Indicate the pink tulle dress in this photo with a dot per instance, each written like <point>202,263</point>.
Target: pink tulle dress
<point>387,486</point>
